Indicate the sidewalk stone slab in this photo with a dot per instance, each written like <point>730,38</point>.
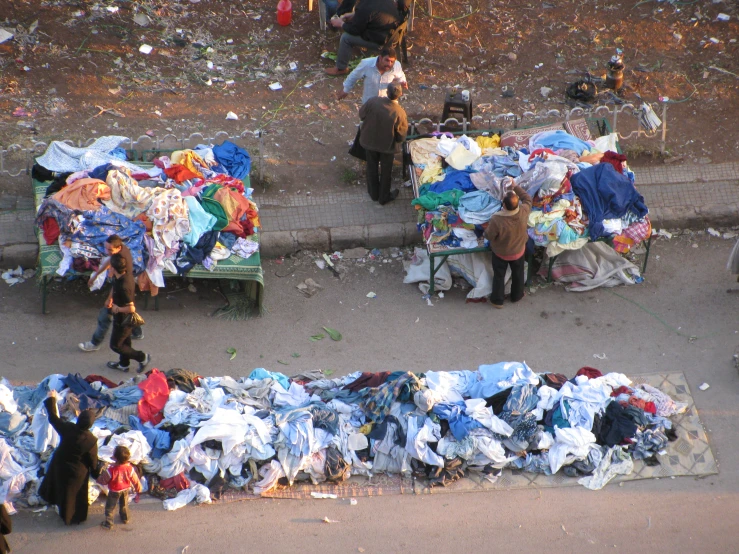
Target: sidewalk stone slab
<point>23,255</point>
<point>277,243</point>
<point>719,215</point>
<point>383,236</point>
<point>314,239</point>
<point>343,238</point>
<point>411,234</point>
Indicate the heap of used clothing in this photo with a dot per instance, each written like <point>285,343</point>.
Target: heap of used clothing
<point>190,208</point>
<point>582,190</point>
<point>265,430</point>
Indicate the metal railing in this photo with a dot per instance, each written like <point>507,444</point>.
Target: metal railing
<point>506,121</point>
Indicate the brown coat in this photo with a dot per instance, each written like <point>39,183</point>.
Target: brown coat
<point>384,125</point>
<point>507,230</point>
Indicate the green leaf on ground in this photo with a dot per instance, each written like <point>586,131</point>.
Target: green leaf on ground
<point>231,351</point>
<point>295,355</point>
<point>328,372</point>
<point>333,333</point>
<point>281,362</point>
<point>317,337</point>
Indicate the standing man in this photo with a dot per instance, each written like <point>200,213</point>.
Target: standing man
<point>113,245</point>
<point>508,235</point>
<point>384,127</point>
<point>369,27</point>
<point>121,304</point>
<point>378,72</point>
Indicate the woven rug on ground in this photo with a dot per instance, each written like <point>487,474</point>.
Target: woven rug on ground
<point>689,455</point>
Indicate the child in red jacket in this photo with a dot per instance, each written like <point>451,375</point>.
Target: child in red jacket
<point>123,477</point>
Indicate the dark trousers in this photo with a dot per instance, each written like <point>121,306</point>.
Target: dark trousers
<point>120,343</point>
<point>120,499</point>
<point>105,319</point>
<point>379,175</point>
<point>518,279</point>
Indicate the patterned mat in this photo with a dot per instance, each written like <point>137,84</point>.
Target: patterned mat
<point>689,455</point>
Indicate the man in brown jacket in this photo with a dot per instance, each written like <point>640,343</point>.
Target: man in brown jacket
<point>507,235</point>
<point>384,127</point>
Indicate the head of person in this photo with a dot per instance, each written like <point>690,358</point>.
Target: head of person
<point>113,245</point>
<point>85,419</point>
<point>386,59</point>
<point>121,454</point>
<point>118,263</point>
<point>394,91</point>
<point>510,201</point>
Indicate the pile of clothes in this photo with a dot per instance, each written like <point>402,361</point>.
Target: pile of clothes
<point>267,430</point>
<point>190,208</point>
<point>582,190</point>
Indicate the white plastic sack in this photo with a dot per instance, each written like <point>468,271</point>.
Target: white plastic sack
<point>418,271</point>
<point>196,492</point>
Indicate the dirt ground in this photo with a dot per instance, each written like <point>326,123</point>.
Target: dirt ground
<point>680,319</point>
<point>73,71</point>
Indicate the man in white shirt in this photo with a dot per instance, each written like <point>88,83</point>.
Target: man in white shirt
<point>378,72</point>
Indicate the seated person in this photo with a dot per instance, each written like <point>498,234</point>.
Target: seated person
<point>373,21</point>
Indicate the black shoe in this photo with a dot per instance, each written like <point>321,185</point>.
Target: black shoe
<point>393,195</point>
<point>142,365</point>
<point>118,366</point>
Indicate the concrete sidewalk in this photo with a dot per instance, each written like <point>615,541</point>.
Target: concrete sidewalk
<point>678,196</point>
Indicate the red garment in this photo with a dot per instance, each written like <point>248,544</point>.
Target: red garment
<point>104,380</point>
<point>622,390</point>
<point>367,380</point>
<point>178,482</point>
<point>156,394</point>
<point>616,160</point>
<point>50,229</point>
<point>227,181</point>
<point>589,372</point>
<point>123,477</point>
<point>643,405</point>
<point>180,173</point>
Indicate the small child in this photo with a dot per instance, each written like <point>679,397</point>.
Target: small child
<point>122,478</point>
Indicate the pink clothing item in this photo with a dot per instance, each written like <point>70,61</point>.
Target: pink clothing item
<point>123,477</point>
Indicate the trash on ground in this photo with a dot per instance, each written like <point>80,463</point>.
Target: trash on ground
<point>713,232</point>
<point>145,49</point>
<point>704,386</point>
<point>323,495</point>
<point>371,294</point>
<point>309,287</point>
<point>275,86</point>
<point>232,116</point>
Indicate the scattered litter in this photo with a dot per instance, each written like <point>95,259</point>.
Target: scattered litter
<point>309,287</point>
<point>337,255</point>
<point>39,510</point>
<point>275,86</point>
<point>192,288</point>
<point>353,502</point>
<point>17,275</point>
<point>145,49</point>
<point>371,295</point>
<point>231,351</point>
<point>295,355</point>
<point>714,40</point>
<point>662,233</point>
<point>5,35</point>
<point>141,19</point>
<point>321,264</point>
<point>323,495</point>
<point>600,356</point>
<point>293,66</point>
<point>729,235</point>
<point>428,302</point>
<point>545,91</point>
<point>327,520</point>
<point>333,333</point>
<point>713,232</point>
<point>231,115</point>
<point>417,320</point>
<point>704,386</point>
<point>694,245</point>
<point>376,252</point>
<point>441,295</point>
<point>723,17</point>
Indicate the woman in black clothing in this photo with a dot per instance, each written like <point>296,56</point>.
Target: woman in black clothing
<point>76,457</point>
<point>6,527</point>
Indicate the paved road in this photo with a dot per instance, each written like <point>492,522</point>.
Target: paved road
<point>684,295</point>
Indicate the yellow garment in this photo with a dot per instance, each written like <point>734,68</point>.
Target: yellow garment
<point>487,142</point>
<point>83,194</point>
<point>557,212</point>
<point>432,173</point>
<point>555,248</point>
<point>366,429</point>
<point>460,157</point>
<point>126,196</point>
<point>186,158</point>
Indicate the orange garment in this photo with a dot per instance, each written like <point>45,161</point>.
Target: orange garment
<point>145,284</point>
<point>83,194</point>
<point>238,208</point>
<point>189,158</point>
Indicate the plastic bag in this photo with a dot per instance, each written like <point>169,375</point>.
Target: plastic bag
<point>133,320</point>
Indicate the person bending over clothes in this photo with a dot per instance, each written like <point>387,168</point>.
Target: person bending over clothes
<point>507,233</point>
<point>369,27</point>
<point>122,478</point>
<point>384,127</point>
<point>121,304</point>
<point>113,245</point>
<point>73,461</point>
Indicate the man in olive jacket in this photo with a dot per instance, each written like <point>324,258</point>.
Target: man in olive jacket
<point>384,127</point>
<point>508,236</point>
